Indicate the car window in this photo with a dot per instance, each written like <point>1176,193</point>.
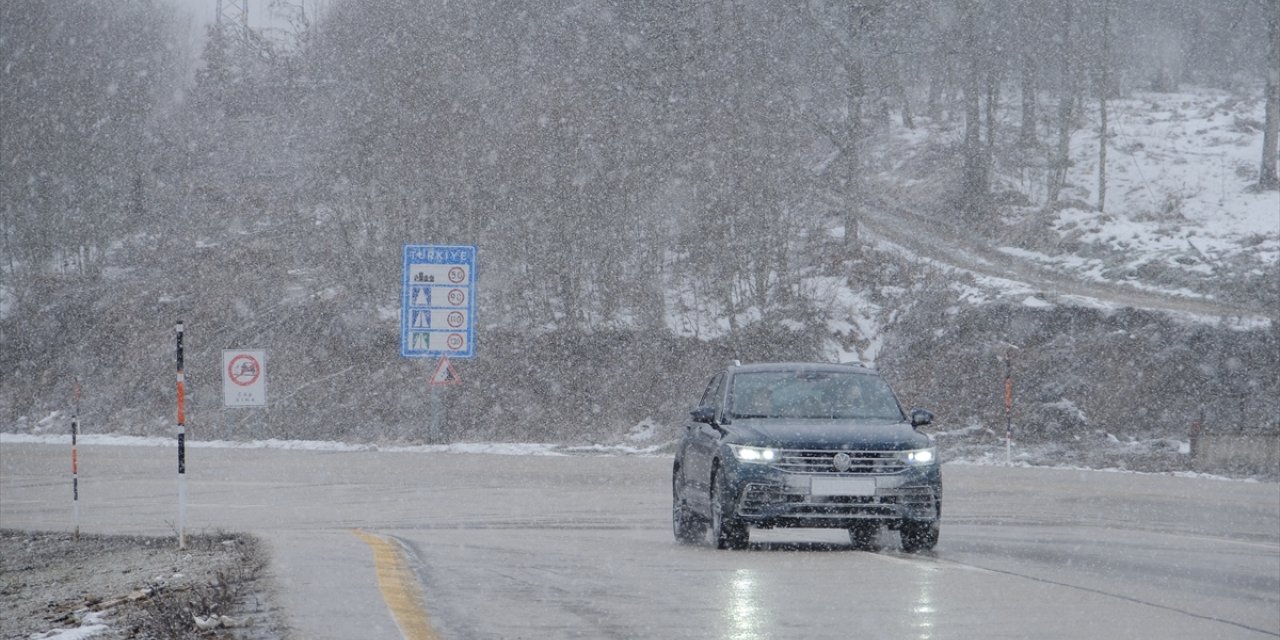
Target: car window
<point>709,397</point>
<point>813,394</point>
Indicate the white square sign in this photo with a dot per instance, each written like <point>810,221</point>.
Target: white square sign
<point>244,378</point>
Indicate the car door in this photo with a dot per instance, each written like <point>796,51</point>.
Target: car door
<point>703,440</point>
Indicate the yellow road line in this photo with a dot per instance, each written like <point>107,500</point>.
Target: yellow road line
<point>399,589</point>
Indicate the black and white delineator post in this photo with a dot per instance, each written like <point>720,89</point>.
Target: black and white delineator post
<point>75,463</point>
<point>182,447</point>
<point>1008,406</point>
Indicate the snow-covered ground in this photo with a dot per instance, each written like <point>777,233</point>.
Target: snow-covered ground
<point>1180,196</point>
<point>490,448</point>
<point>1182,215</point>
<point>650,443</point>
<point>1180,173</point>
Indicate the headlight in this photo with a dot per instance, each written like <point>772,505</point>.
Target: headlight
<point>919,456</point>
<point>753,454</point>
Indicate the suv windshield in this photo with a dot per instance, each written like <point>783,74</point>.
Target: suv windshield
<point>812,394</point>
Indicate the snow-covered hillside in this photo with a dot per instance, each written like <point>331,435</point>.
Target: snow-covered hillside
<point>1182,214</point>
<point>1182,218</point>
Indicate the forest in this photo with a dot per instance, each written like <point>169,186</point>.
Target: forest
<point>654,187</point>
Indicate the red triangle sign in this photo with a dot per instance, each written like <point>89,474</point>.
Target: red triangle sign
<point>444,375</point>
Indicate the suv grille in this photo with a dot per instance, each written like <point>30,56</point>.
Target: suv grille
<point>761,499</point>
<point>816,461</point>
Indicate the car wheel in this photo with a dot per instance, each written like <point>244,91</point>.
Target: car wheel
<point>726,530</point>
<point>688,527</point>
<point>865,536</point>
<point>919,536</point>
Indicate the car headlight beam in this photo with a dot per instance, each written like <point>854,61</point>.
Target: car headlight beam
<point>754,454</point>
<point>920,456</point>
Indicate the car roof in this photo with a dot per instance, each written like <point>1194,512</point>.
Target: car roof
<point>851,367</point>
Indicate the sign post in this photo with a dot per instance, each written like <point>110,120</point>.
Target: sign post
<point>437,313</point>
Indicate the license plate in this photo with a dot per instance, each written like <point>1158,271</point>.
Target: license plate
<point>843,487</point>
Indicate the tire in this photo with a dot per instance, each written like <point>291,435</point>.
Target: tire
<point>727,532</point>
<point>865,536</point>
<point>688,527</point>
<point>919,536</point>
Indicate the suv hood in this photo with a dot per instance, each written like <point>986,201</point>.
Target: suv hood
<point>872,435</point>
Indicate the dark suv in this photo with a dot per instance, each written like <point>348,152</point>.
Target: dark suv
<point>805,445</point>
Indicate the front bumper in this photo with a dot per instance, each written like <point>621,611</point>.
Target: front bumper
<point>767,497</point>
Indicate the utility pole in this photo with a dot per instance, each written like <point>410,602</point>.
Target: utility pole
<point>233,13</point>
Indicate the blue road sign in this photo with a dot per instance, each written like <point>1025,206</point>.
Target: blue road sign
<point>438,302</point>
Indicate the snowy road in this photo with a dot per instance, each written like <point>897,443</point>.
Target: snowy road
<point>949,243</point>
<point>563,547</point>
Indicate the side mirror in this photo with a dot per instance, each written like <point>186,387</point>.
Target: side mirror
<point>921,417</point>
<point>704,414</point>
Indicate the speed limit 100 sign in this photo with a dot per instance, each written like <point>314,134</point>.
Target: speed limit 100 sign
<point>244,378</point>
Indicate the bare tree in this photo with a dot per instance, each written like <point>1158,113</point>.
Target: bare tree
<point>1268,178</point>
<point>975,175</point>
<point>1104,87</point>
<point>852,54</point>
<point>1066,100</point>
<point>1029,86</point>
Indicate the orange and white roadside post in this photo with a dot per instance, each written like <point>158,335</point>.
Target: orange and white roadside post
<point>75,463</point>
<point>1008,400</point>
<point>182,446</point>
<point>1008,407</point>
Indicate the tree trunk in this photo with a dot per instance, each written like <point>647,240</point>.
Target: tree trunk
<point>1066,102</point>
<point>908,120</point>
<point>933,105</point>
<point>856,92</point>
<point>1102,152</point>
<point>993,103</point>
<point>974,178</point>
<point>1268,178</point>
<point>1027,134</point>
<point>1104,86</point>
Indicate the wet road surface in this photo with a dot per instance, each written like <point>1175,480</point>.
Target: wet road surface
<point>580,547</point>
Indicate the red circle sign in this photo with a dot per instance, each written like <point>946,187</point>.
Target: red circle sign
<point>244,370</point>
<point>454,341</point>
<point>456,319</point>
<point>457,297</point>
<point>457,274</point>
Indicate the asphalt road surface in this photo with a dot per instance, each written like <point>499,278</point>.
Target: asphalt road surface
<point>381,545</point>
